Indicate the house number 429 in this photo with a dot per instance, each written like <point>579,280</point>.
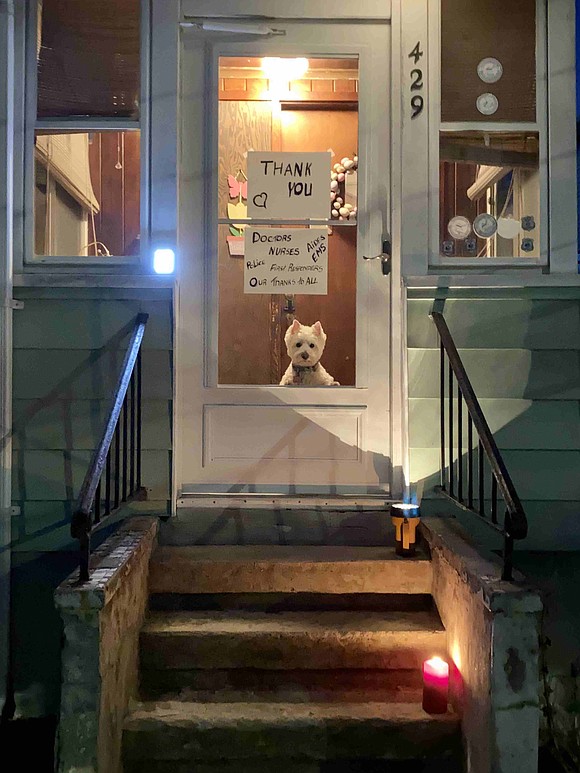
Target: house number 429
<point>417,101</point>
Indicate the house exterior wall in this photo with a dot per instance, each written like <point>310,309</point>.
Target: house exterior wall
<point>62,384</point>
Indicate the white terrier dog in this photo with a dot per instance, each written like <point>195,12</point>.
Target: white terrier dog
<point>305,344</point>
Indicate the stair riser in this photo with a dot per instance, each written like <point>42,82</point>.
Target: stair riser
<point>446,765</point>
<point>289,602</point>
<point>368,650</point>
<point>351,686</point>
<point>171,574</point>
<point>298,741</point>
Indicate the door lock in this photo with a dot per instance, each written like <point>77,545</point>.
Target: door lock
<point>384,257</point>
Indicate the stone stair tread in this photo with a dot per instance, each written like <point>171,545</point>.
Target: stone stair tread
<point>178,730</point>
<point>253,623</point>
<point>271,713</point>
<point>279,568</point>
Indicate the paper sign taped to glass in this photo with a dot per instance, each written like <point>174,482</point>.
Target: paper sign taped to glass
<point>288,186</point>
<point>286,261</point>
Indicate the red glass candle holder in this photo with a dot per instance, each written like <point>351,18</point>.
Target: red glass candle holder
<point>435,686</point>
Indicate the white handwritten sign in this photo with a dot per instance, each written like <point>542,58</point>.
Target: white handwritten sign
<point>286,260</point>
<point>288,186</point>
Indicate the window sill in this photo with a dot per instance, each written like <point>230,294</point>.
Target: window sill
<point>42,276</point>
<point>492,278</point>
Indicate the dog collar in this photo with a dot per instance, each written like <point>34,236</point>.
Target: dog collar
<point>304,368</point>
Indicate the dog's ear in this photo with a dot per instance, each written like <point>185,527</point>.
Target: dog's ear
<point>317,327</point>
<point>295,327</point>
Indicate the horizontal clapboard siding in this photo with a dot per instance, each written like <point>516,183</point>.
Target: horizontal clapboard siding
<point>69,345</point>
<point>516,424</point>
<point>491,323</point>
<point>509,373</point>
<point>522,355</point>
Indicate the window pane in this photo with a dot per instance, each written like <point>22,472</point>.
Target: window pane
<point>271,106</point>
<point>489,194</point>
<point>488,60</point>
<point>88,58</point>
<point>86,196</point>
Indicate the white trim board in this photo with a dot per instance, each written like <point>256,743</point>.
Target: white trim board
<point>507,278</point>
<point>6,249</point>
<point>300,10</point>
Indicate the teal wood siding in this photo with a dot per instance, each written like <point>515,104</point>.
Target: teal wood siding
<point>67,355</point>
<point>521,351</point>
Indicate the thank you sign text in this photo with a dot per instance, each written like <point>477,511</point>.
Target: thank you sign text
<point>288,186</point>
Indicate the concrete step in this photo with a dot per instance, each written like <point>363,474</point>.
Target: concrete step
<point>188,732</point>
<point>239,685</point>
<point>291,640</point>
<point>281,569</point>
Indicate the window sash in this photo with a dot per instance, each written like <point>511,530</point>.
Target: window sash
<point>29,23</point>
<point>436,259</point>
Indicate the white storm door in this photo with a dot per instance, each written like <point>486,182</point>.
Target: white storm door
<point>236,429</point>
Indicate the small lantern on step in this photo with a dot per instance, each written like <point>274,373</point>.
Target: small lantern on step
<point>405,518</point>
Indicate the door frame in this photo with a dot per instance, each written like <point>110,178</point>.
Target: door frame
<point>7,56</point>
<point>398,381</point>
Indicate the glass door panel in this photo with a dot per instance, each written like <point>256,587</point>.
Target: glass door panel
<point>288,105</point>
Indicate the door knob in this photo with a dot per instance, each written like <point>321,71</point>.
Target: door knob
<point>384,257</point>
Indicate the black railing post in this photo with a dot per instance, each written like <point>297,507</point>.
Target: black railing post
<point>108,484</point>
<point>98,503</point>
<point>451,458</point>
<point>85,552</point>
<point>470,461</point>
<point>493,499</point>
<point>459,444</point>
<point>480,479</point>
<point>125,449</point>
<point>117,467</point>
<point>102,461</point>
<point>139,419</point>
<point>515,525</point>
<point>442,413</point>
<point>508,556</point>
<point>132,435</point>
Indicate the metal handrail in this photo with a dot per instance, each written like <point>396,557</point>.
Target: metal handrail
<point>125,473</point>
<point>515,525</point>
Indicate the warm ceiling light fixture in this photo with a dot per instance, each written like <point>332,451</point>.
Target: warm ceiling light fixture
<point>277,68</point>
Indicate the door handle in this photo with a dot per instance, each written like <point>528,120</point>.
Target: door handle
<point>384,257</point>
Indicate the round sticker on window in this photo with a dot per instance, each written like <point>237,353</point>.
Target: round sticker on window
<point>459,227</point>
<point>485,225</point>
<point>490,69</point>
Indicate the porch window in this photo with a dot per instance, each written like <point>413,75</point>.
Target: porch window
<point>85,166</point>
<point>492,179</point>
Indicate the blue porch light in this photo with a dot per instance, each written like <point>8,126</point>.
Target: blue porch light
<point>164,260</point>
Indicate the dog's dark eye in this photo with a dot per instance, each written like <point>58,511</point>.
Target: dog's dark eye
<point>299,344</point>
<point>311,346</point>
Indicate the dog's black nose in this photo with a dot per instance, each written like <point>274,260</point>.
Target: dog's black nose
<point>304,355</point>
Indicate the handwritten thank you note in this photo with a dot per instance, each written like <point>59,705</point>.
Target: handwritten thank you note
<point>286,260</point>
<point>288,186</point>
